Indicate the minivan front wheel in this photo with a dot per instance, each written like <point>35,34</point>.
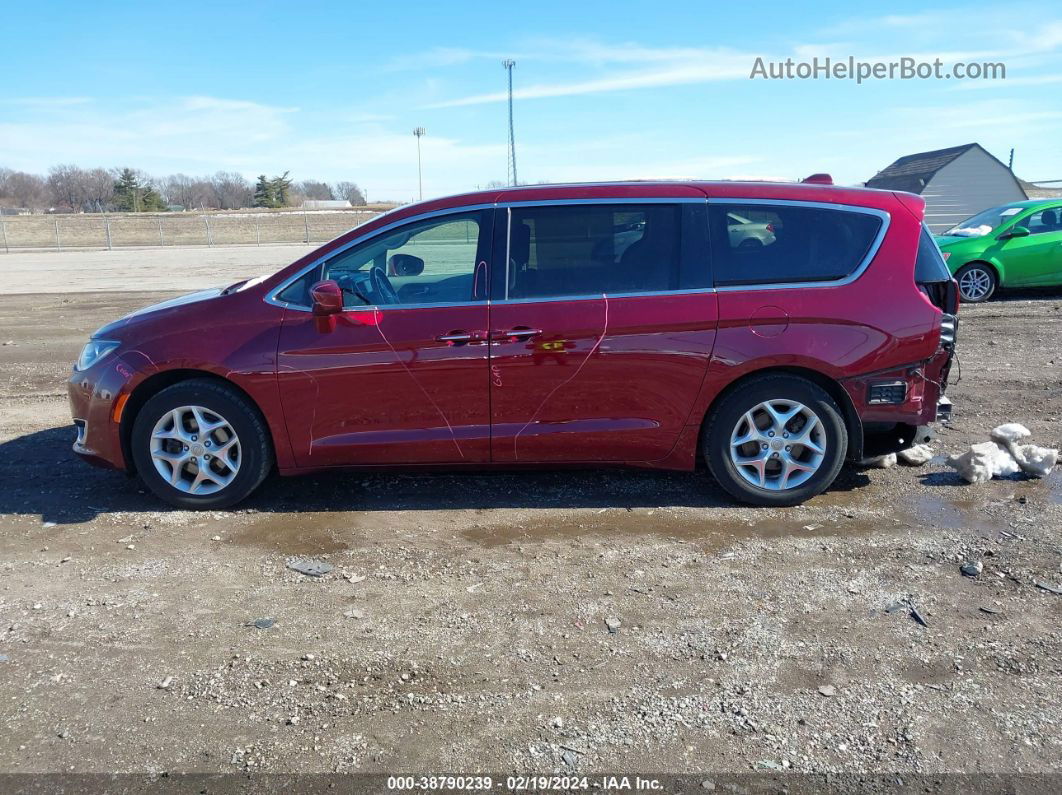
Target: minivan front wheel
<point>200,444</point>
<point>776,441</point>
<point>977,282</point>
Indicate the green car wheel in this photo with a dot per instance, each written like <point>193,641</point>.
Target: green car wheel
<point>977,282</point>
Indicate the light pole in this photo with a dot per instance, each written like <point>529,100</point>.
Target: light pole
<point>509,63</point>
<point>419,133</point>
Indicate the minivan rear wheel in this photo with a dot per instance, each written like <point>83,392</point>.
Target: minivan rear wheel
<point>200,444</point>
<point>778,440</point>
<point>977,282</point>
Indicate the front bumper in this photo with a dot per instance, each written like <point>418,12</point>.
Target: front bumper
<point>97,397</point>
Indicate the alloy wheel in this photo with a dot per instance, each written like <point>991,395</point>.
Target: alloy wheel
<point>778,445</point>
<point>195,450</point>
<point>975,284</point>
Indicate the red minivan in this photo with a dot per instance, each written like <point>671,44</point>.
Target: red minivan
<point>772,330</point>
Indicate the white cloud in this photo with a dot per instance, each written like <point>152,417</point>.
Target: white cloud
<point>626,65</point>
<point>667,67</point>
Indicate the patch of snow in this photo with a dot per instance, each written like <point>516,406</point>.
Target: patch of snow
<point>1010,432</point>
<point>984,461</point>
<point>1036,462</point>
<point>916,456</point>
<point>970,231</point>
<point>881,461</point>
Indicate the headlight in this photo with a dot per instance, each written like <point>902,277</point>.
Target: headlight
<point>93,351</point>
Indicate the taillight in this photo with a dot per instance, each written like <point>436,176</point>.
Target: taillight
<point>770,228</point>
<point>945,255</point>
<point>948,325</point>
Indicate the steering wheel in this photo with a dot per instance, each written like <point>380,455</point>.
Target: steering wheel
<point>382,287</point>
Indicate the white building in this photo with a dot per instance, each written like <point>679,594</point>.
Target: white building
<point>326,204</point>
<point>956,183</point>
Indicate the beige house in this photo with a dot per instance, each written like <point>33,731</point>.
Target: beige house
<point>956,183</point>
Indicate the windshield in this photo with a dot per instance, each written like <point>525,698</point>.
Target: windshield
<point>984,222</point>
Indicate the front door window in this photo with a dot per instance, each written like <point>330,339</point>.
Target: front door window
<point>425,262</point>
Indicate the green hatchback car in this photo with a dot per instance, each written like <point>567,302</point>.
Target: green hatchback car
<point>1014,245</point>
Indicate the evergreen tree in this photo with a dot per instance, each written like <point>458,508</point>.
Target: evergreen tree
<point>281,190</point>
<point>132,194</point>
<point>264,195</point>
<point>275,192</point>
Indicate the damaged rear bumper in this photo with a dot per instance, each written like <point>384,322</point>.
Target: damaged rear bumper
<point>898,407</point>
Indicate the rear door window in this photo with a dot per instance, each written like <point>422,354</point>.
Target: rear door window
<point>782,244</point>
<point>591,249</point>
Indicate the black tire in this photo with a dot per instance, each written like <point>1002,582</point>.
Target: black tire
<point>256,449</point>
<point>729,412</point>
<point>986,273</point>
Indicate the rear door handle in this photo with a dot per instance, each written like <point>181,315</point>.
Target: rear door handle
<point>517,333</point>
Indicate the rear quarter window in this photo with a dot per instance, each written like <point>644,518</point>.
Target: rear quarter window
<point>929,264</point>
<point>787,244</point>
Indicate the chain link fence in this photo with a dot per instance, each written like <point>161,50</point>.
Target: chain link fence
<point>91,231</point>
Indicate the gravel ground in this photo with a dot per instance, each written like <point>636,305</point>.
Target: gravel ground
<point>531,622</point>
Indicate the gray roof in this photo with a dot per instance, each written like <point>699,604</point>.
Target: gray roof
<point>912,172</point>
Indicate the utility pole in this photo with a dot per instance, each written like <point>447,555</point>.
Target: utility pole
<point>509,63</point>
<point>1010,164</point>
<point>419,133</point>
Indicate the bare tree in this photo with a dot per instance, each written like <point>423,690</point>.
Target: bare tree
<point>311,189</point>
<point>192,193</point>
<point>19,189</point>
<point>65,182</point>
<point>97,187</point>
<point>182,190</point>
<point>349,191</point>
<point>231,190</point>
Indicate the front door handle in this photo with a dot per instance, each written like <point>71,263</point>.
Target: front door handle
<point>517,333</point>
<point>460,337</point>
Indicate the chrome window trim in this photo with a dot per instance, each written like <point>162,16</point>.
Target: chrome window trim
<point>605,201</point>
<point>271,298</point>
<point>546,299</point>
<point>386,307</point>
<point>886,220</point>
<point>508,254</point>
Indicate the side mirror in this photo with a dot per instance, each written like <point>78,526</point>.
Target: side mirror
<point>405,265</point>
<point>326,301</point>
<point>1016,231</point>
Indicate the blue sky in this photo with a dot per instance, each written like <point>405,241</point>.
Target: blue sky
<point>605,90</point>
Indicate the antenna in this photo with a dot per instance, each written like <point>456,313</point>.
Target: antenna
<point>419,133</point>
<point>509,63</point>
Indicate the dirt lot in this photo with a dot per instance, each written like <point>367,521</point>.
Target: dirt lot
<point>464,625</point>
